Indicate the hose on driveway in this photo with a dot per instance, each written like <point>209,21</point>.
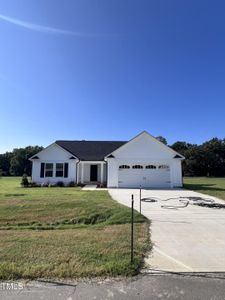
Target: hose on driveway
<point>192,200</point>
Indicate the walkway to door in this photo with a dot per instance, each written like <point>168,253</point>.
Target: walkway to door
<point>89,187</point>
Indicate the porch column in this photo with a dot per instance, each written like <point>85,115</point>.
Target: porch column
<point>102,165</point>
<point>82,173</point>
<point>78,172</point>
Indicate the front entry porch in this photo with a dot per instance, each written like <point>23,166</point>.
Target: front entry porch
<point>91,172</point>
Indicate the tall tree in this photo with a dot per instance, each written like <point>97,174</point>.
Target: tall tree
<point>214,161</point>
<point>162,139</point>
<point>19,163</point>
<point>5,163</point>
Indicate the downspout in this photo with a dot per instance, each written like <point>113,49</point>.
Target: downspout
<point>182,174</point>
<point>77,171</point>
<point>31,169</point>
<point>106,171</point>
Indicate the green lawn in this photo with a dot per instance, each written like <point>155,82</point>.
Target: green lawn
<point>66,232</point>
<point>206,185</point>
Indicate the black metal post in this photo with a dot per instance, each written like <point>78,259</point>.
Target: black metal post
<point>140,199</point>
<point>132,229</point>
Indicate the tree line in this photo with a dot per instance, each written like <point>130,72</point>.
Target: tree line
<point>17,163</point>
<point>207,159</point>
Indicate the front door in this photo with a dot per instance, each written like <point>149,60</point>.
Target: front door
<point>94,173</point>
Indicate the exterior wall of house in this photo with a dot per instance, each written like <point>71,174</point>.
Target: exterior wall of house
<point>105,173</point>
<point>86,172</point>
<point>176,173</point>
<point>144,150</point>
<point>53,154</point>
<point>112,172</point>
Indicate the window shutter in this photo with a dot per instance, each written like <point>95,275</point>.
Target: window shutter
<point>66,170</point>
<point>42,170</point>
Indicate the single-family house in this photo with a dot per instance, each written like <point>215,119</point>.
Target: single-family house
<point>143,160</point>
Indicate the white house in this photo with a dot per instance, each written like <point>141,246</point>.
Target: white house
<point>141,161</point>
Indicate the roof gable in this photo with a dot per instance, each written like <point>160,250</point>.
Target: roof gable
<point>52,152</point>
<point>145,145</point>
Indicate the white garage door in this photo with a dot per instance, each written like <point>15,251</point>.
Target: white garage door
<point>155,176</point>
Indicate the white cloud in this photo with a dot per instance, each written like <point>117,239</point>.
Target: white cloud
<point>40,28</point>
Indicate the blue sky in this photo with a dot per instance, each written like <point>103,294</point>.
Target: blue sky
<point>107,70</point>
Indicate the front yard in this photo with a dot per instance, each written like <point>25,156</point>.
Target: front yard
<point>206,185</point>
<point>66,233</point>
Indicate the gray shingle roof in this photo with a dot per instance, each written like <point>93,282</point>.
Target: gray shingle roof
<point>90,150</point>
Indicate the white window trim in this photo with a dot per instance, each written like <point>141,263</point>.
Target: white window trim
<point>164,167</point>
<point>54,169</point>
<point>141,167</point>
<point>121,167</point>
<point>45,169</point>
<point>63,169</point>
<point>154,167</point>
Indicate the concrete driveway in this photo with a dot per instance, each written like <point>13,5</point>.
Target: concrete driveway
<point>189,239</point>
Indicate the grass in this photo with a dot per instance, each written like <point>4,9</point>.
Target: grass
<point>57,207</point>
<point>91,235</point>
<point>206,185</point>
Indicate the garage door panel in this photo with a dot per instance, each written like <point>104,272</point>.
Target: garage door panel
<point>144,177</point>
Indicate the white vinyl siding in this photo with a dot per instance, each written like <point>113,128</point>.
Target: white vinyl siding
<point>54,154</point>
<point>160,167</point>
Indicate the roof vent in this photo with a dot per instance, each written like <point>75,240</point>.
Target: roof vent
<point>177,156</point>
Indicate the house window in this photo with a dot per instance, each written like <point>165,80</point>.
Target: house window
<point>59,171</point>
<point>124,167</point>
<point>150,167</point>
<point>163,167</point>
<point>137,167</point>
<point>48,170</point>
